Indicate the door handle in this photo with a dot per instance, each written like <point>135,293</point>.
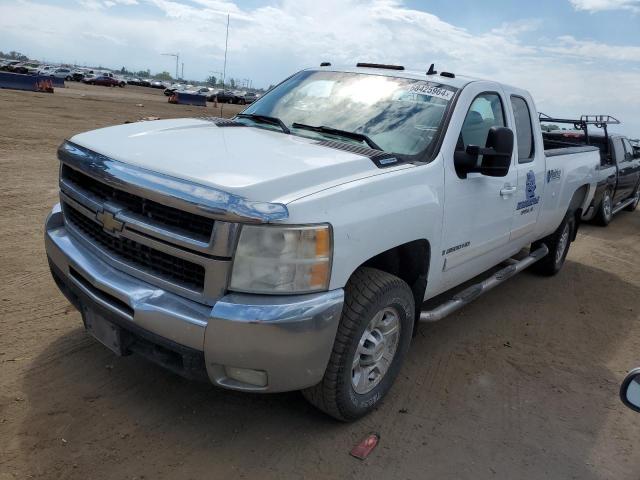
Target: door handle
<point>508,190</point>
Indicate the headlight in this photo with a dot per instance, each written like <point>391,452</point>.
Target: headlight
<point>275,259</point>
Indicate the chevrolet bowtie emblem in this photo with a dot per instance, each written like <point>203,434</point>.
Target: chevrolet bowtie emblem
<point>109,222</point>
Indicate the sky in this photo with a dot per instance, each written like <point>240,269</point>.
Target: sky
<point>575,56</point>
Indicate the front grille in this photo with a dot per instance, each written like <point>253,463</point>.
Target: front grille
<point>194,225</point>
<point>154,262</point>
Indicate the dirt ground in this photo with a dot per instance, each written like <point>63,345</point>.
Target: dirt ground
<point>522,384</point>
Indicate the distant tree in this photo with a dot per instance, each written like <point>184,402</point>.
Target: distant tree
<point>13,55</point>
<point>270,87</point>
<point>123,70</point>
<point>212,81</point>
<point>143,74</point>
<point>163,76</point>
<point>232,83</point>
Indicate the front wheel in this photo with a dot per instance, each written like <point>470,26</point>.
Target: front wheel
<point>636,199</point>
<point>558,244</point>
<point>370,346</point>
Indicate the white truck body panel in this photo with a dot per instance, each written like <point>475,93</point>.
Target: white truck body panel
<point>250,162</point>
<point>386,207</point>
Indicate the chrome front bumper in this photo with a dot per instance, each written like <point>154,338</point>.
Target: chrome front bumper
<point>288,337</point>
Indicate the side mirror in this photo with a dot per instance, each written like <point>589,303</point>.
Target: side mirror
<point>630,390</point>
<point>493,160</point>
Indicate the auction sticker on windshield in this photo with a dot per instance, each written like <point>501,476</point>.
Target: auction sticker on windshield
<point>431,90</point>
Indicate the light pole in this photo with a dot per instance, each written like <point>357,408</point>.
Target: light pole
<point>226,46</point>
<point>177,55</point>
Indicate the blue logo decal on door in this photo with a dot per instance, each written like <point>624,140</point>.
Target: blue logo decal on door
<point>531,198</point>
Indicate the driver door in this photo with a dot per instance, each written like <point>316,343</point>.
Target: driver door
<point>478,210</point>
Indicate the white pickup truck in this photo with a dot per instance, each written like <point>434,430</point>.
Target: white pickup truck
<point>292,247</point>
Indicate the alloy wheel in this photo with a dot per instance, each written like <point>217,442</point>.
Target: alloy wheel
<point>376,350</point>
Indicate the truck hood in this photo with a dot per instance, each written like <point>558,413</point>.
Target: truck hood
<point>255,163</point>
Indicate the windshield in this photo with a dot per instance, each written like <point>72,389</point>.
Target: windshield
<point>400,115</point>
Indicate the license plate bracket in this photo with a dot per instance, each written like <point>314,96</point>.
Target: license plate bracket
<point>106,332</point>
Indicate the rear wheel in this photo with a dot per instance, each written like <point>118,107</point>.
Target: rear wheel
<point>558,244</point>
<point>636,197</point>
<point>370,346</point>
<point>606,208</point>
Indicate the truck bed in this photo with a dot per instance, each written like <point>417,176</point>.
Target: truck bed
<point>568,150</point>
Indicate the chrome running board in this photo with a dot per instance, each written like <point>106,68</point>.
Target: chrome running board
<point>469,294</point>
<point>622,205</point>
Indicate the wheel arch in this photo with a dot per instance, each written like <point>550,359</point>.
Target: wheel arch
<point>408,261</point>
<point>577,205</point>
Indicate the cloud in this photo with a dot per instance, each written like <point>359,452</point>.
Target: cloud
<point>267,43</point>
<point>103,36</point>
<point>603,5</point>
<point>99,4</point>
<point>567,45</point>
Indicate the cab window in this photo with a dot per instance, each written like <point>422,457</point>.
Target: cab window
<point>486,111</point>
<point>628,150</point>
<point>524,129</point>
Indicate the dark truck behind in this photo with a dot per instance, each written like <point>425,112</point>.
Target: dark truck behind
<point>619,172</point>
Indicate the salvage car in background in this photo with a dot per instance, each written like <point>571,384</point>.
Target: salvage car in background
<point>229,96</point>
<point>619,172</point>
<point>46,69</point>
<point>28,68</point>
<point>135,81</point>
<point>105,81</point>
<point>79,74</point>
<point>176,87</point>
<point>208,92</point>
<point>249,98</point>
<point>7,65</point>
<point>63,73</point>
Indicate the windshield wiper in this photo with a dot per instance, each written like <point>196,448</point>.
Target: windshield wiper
<point>265,119</point>
<point>341,133</point>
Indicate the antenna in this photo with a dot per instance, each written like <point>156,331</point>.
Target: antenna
<point>432,70</point>
<point>224,68</point>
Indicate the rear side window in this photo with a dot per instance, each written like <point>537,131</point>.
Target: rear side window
<point>485,112</point>
<point>524,129</point>
<point>628,149</point>
<point>618,149</point>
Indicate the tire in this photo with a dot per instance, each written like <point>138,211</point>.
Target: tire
<point>372,297</point>
<point>242,102</point>
<point>68,79</point>
<point>558,244</point>
<point>634,205</point>
<point>604,215</point>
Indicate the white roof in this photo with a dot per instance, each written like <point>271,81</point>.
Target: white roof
<point>458,82</point>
